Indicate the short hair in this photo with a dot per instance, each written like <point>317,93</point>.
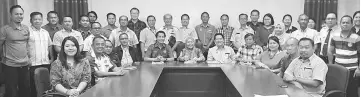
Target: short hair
<point>15,6</point>
<point>224,15</point>
<point>332,13</point>
<point>123,16</point>
<point>91,25</point>
<point>274,38</point>
<point>81,16</point>
<point>269,15</point>
<point>348,17</point>
<point>287,15</point>
<point>96,37</point>
<point>218,34</point>
<point>304,15</point>
<point>255,10</point>
<point>107,40</point>
<point>67,16</point>
<point>150,17</point>
<point>357,12</point>
<point>93,12</point>
<point>307,39</point>
<point>134,8</point>
<point>205,13</point>
<point>157,34</point>
<point>248,35</point>
<point>111,14</point>
<point>52,12</point>
<point>169,15</point>
<point>35,13</point>
<point>123,34</point>
<point>184,15</point>
<point>239,16</point>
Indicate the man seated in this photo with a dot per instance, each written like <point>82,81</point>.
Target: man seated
<point>220,53</point>
<point>191,54</point>
<point>101,65</point>
<point>125,53</point>
<point>248,52</point>
<point>291,46</point>
<point>308,71</point>
<point>159,51</point>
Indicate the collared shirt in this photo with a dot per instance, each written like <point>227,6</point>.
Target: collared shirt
<point>114,37</point>
<point>220,55</point>
<point>101,63</point>
<point>285,62</point>
<point>272,61</point>
<point>254,27</point>
<point>282,38</point>
<point>39,42</point>
<point>191,54</point>
<point>238,36</point>
<point>159,49</point>
<point>291,29</point>
<point>261,35</point>
<point>308,33</point>
<point>108,29</point>
<point>136,27</point>
<point>346,49</point>
<point>84,33</point>
<point>314,68</point>
<point>89,41</point>
<point>15,46</point>
<point>205,33</point>
<point>172,32</point>
<point>185,32</point>
<point>126,59</point>
<point>227,33</point>
<point>249,53</point>
<point>147,36</point>
<point>355,30</point>
<point>60,35</point>
<point>336,31</point>
<point>52,29</point>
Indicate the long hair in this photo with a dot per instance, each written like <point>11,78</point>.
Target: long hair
<point>63,55</point>
<point>274,38</point>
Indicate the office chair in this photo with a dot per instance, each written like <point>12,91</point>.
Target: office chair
<point>336,81</point>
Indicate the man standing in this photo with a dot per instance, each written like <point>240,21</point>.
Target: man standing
<point>53,26</point>
<point>92,16</point>
<point>292,53</point>
<point>84,27</point>
<point>96,31</point>
<point>304,31</point>
<point>114,36</point>
<point>170,30</point>
<point>147,35</point>
<point>67,31</point>
<point>111,18</point>
<point>254,24</point>
<point>14,48</point>
<point>326,35</point>
<point>308,71</point>
<point>205,32</point>
<point>237,37</point>
<point>226,30</point>
<point>136,26</point>
<point>183,34</point>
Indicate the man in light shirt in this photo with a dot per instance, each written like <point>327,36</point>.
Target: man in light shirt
<point>114,36</point>
<point>183,34</point>
<point>304,31</point>
<point>326,35</point>
<point>170,30</point>
<point>220,53</point>
<point>67,31</point>
<point>237,37</point>
<point>147,35</point>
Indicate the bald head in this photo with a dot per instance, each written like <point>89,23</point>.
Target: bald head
<point>292,45</point>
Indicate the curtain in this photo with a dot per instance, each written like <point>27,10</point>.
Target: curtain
<point>4,11</point>
<point>318,9</point>
<point>73,8</point>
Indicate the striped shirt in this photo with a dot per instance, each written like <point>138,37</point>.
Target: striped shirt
<point>39,42</point>
<point>346,49</point>
<point>227,33</point>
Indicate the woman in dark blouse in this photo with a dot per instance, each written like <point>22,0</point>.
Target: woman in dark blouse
<point>159,51</point>
<point>287,20</point>
<point>262,32</point>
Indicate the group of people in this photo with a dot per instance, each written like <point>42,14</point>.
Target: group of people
<point>78,59</point>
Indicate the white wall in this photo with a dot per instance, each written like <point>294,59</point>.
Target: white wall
<point>43,6</point>
<point>347,7</point>
<point>194,8</point>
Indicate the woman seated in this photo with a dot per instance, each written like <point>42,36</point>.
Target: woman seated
<point>70,75</point>
<point>281,34</point>
<point>191,54</point>
<point>248,52</point>
<point>159,51</point>
<point>272,56</point>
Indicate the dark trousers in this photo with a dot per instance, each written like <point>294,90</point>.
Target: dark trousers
<point>139,52</point>
<point>353,85</point>
<point>32,69</point>
<point>16,81</point>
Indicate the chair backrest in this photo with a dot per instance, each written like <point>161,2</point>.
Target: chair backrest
<point>337,78</point>
<point>42,80</point>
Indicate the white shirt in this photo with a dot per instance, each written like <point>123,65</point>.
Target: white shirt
<point>336,30</point>
<point>308,33</point>
<point>184,33</point>
<point>238,36</point>
<point>169,32</point>
<point>223,55</point>
<point>126,58</point>
<point>89,41</point>
<point>60,35</point>
<point>114,37</point>
<point>39,42</point>
<point>147,36</point>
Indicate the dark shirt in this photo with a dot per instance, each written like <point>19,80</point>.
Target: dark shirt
<point>118,52</point>
<point>291,30</point>
<point>136,27</point>
<point>254,27</point>
<point>84,33</point>
<point>159,49</point>
<point>354,30</point>
<point>261,35</point>
<point>52,29</point>
<point>284,63</point>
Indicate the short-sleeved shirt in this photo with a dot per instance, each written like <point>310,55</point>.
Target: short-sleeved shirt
<point>346,50</point>
<point>136,27</point>
<point>159,49</point>
<point>84,33</point>
<point>307,33</point>
<point>184,33</point>
<point>114,37</point>
<point>313,68</point>
<point>249,53</point>
<point>253,26</point>
<point>223,55</point>
<point>272,61</point>
<point>39,43</point>
<point>261,35</point>
<point>169,34</point>
<point>238,36</point>
<point>147,36</point>
<point>15,52</point>
<point>52,29</point>
<point>336,31</point>
<point>205,33</point>
<point>101,63</point>
<point>89,41</point>
<point>227,33</point>
<point>60,35</point>
<point>108,29</point>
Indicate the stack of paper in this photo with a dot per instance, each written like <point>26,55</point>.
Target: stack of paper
<point>255,95</point>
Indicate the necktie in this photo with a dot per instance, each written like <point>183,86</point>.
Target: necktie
<point>325,45</point>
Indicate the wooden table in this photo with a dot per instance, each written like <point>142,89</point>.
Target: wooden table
<point>193,80</point>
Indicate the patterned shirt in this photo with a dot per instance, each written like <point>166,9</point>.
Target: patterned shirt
<point>159,49</point>
<point>101,63</point>
<point>52,29</point>
<point>114,37</point>
<point>249,53</point>
<point>227,33</point>
<point>346,50</point>
<point>238,36</point>
<point>84,33</point>
<point>191,53</point>
<point>136,27</point>
<point>39,42</point>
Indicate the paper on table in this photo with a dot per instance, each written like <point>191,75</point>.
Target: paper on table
<point>255,95</point>
<point>160,62</point>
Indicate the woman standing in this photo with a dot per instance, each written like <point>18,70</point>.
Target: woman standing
<point>262,32</point>
<point>287,20</point>
<point>281,34</point>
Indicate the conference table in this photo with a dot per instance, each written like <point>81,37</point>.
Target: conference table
<point>176,79</point>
